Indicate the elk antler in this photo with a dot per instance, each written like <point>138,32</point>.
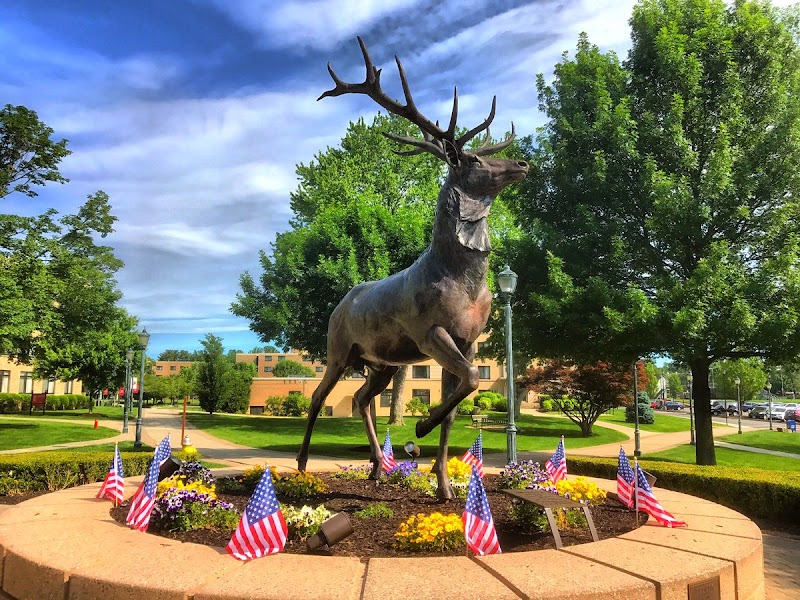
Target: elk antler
<point>441,143</point>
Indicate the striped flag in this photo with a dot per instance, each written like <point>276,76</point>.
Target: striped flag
<point>556,465</point>
<point>113,487</point>
<point>624,479</point>
<point>646,502</point>
<point>474,456</point>
<point>262,529</point>
<point>479,528</point>
<point>145,497</point>
<point>387,461</point>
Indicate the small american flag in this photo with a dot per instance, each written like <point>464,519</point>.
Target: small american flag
<point>474,456</point>
<point>624,479</point>
<point>387,462</point>
<point>556,465</point>
<point>262,529</point>
<point>145,497</point>
<point>113,487</point>
<point>646,502</point>
<point>479,528</point>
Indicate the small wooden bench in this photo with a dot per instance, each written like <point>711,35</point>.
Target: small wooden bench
<point>548,501</point>
<point>38,400</point>
<point>478,420</point>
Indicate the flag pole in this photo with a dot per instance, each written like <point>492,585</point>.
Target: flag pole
<point>636,490</point>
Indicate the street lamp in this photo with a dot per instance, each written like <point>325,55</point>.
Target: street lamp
<point>689,380</point>
<point>144,338</point>
<point>507,280</point>
<point>769,398</point>
<point>126,402</point>
<point>780,373</point>
<point>738,383</point>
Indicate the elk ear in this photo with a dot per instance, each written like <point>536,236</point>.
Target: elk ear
<point>452,154</point>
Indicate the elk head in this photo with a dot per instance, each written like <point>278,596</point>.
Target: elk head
<point>474,179</point>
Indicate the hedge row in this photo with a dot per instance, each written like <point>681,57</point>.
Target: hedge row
<point>756,493</point>
<point>17,403</point>
<point>50,471</point>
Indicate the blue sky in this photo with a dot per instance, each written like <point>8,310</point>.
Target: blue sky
<point>192,115</point>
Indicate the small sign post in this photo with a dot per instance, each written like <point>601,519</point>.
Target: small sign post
<point>38,400</point>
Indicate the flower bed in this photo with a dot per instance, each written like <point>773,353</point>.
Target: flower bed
<point>378,510</point>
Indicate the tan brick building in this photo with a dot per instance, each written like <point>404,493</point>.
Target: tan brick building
<point>17,378</point>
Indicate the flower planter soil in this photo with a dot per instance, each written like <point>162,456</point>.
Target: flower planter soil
<point>374,537</point>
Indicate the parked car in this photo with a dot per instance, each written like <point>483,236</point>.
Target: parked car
<point>673,406</point>
<point>748,406</point>
<point>720,408</point>
<point>758,412</point>
<point>778,414</point>
<point>793,414</point>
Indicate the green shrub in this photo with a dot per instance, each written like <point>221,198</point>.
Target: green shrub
<point>501,405</point>
<point>50,471</point>
<point>466,407</point>
<point>646,414</point>
<point>548,405</point>
<point>297,405</point>
<point>488,400</point>
<point>21,403</point>
<point>415,405</point>
<point>275,405</point>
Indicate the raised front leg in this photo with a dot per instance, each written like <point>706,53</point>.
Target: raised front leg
<point>377,381</point>
<point>441,347</point>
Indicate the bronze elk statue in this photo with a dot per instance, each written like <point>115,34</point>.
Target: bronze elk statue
<point>437,307</point>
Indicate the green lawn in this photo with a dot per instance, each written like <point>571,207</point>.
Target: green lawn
<point>728,458</point>
<point>16,433</point>
<point>345,437</point>
<point>664,423</point>
<point>768,440</point>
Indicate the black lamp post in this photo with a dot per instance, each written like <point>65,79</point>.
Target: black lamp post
<point>144,338</point>
<point>507,280</point>
<point>637,450</point>
<point>691,410</point>
<point>126,402</point>
<point>738,383</point>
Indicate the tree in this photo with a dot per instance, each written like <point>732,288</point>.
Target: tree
<point>750,372</point>
<point>652,379</point>
<point>268,349</point>
<point>236,386</point>
<point>583,392</point>
<point>675,384</point>
<point>661,211</point>
<point>183,355</point>
<point>211,374</point>
<point>291,368</point>
<point>28,156</point>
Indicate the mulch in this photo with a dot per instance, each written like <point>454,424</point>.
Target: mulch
<point>374,537</point>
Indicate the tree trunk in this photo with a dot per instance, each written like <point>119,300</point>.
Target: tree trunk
<point>701,394</point>
<point>398,406</point>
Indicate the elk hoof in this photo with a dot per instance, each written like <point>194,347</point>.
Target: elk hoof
<point>423,428</point>
<point>444,495</point>
<point>301,463</point>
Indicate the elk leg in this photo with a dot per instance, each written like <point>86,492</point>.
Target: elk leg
<point>377,381</point>
<point>441,347</point>
<point>443,489</point>
<point>329,380</point>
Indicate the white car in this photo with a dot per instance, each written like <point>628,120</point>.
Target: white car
<point>778,413</point>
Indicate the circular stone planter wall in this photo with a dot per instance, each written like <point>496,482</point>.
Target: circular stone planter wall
<point>65,546</point>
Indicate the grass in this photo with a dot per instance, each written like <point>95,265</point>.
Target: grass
<point>768,440</point>
<point>16,433</point>
<point>728,458</point>
<point>664,423</point>
<point>345,437</point>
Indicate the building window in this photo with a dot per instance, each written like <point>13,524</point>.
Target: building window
<point>172,368</point>
<point>256,410</point>
<point>306,358</point>
<point>423,395</point>
<point>26,382</point>
<point>420,372</point>
<point>328,411</point>
<point>267,369</point>
<point>5,381</point>
<point>49,386</point>
<point>357,375</point>
<point>281,358</point>
<point>485,372</point>
<point>481,346</point>
<point>268,358</point>
<point>159,368</point>
<point>386,398</point>
<point>318,369</point>
<point>68,387</point>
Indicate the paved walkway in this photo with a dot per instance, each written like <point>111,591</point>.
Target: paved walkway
<point>781,552</point>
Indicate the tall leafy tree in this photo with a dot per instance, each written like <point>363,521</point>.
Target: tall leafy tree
<point>211,373</point>
<point>28,156</point>
<point>289,368</point>
<point>751,374</point>
<point>661,211</point>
